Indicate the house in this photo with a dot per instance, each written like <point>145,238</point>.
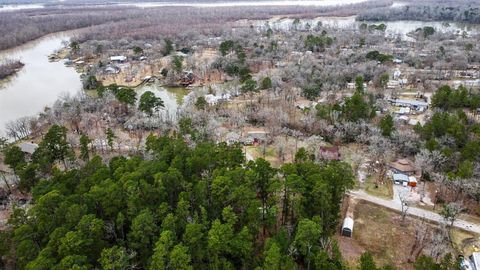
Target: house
<point>329,153</point>
<point>467,83</point>
<point>347,227</point>
<point>258,136</point>
<point>215,99</point>
<point>118,59</point>
<point>411,103</point>
<point>400,179</point>
<point>232,138</point>
<point>403,166</point>
<point>404,180</point>
<point>187,78</point>
<point>28,147</point>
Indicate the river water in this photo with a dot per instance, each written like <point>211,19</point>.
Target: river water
<point>19,7</point>
<point>40,82</point>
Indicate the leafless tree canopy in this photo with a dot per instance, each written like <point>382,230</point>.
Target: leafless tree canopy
<point>114,22</point>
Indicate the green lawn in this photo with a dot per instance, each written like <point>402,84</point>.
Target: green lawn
<point>383,190</point>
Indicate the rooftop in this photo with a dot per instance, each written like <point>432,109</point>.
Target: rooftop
<point>28,147</point>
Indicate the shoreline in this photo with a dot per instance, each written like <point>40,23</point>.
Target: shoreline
<point>9,69</point>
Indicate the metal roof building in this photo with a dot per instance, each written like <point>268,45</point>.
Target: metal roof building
<point>347,227</point>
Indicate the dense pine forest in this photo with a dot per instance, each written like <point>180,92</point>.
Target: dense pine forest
<point>177,207</point>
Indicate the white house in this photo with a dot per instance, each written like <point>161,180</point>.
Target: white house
<point>215,99</point>
<point>118,58</point>
<point>400,179</point>
<point>411,103</point>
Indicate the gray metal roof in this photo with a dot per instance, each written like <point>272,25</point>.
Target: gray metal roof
<point>28,147</point>
<point>400,177</point>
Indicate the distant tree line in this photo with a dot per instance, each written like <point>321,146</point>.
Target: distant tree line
<point>463,11</point>
<point>118,22</point>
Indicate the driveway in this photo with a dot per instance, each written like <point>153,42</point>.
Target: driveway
<point>414,211</point>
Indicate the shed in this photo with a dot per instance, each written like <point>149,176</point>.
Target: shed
<point>28,147</point>
<point>347,227</point>
<point>412,181</point>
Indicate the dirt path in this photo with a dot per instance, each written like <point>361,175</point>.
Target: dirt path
<point>417,212</point>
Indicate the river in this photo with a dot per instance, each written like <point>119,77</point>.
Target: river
<point>40,82</point>
<point>20,7</point>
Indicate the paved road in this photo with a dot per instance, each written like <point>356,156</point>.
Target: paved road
<point>414,211</point>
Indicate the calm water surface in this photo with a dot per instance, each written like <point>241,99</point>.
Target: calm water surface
<point>19,7</point>
<point>39,83</point>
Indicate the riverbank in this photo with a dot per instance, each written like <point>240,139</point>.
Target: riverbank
<point>40,82</point>
<point>9,68</point>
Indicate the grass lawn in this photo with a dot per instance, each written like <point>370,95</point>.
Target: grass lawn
<point>383,190</point>
<point>464,242</point>
<point>270,154</point>
<point>380,231</point>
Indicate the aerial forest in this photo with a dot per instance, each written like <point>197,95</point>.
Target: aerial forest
<point>177,206</point>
